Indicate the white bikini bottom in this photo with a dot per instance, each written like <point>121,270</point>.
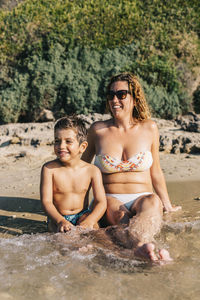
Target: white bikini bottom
<point>128,199</point>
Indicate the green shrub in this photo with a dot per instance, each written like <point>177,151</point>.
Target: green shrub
<point>158,25</point>
<point>74,81</point>
<point>196,100</point>
<point>165,93</point>
<point>13,97</point>
<point>59,54</point>
<point>164,104</point>
<point>158,71</point>
<point>70,81</point>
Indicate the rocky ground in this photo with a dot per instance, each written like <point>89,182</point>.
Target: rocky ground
<point>176,136</point>
<point>33,143</point>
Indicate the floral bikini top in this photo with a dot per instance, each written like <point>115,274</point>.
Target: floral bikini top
<point>141,161</point>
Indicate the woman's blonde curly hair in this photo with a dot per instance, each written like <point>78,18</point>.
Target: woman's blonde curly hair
<point>141,109</point>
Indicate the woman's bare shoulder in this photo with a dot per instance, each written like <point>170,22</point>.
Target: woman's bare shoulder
<point>100,125</point>
<point>149,124</point>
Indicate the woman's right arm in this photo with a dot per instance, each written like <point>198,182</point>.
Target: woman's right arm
<point>89,153</point>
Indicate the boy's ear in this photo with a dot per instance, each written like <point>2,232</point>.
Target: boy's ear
<point>83,146</point>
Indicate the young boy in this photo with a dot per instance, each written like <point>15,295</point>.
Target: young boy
<point>65,181</point>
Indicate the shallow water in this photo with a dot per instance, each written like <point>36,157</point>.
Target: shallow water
<point>51,266</point>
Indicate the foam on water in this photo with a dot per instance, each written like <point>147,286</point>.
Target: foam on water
<point>47,266</point>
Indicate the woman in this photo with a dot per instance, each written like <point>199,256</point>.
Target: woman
<point>127,152</point>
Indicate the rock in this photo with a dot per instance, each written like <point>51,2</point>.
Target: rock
<point>165,144</point>
<point>35,142</point>
<point>189,122</point>
<point>193,126</point>
<point>21,154</point>
<point>15,140</point>
<point>195,149</point>
<point>93,118</point>
<point>173,138</point>
<point>45,116</point>
<point>26,142</point>
<point>176,149</point>
<point>187,148</point>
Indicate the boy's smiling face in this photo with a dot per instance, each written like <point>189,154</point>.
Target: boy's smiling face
<point>66,145</point>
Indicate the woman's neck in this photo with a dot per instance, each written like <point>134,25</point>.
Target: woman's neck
<point>124,123</point>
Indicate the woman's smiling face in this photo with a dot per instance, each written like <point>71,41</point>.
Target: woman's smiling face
<point>117,106</point>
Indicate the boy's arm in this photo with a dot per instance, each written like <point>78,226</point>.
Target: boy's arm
<point>46,196</point>
<point>100,202</point>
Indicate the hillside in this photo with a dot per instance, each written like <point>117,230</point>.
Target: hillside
<point>58,55</point>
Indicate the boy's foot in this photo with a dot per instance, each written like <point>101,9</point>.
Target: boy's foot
<point>147,251</point>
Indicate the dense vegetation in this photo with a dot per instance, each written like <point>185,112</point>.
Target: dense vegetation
<point>58,55</point>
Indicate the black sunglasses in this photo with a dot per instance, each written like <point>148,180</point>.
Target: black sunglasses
<point>121,94</point>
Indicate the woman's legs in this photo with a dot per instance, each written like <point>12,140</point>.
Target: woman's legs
<point>145,225</point>
<point>148,217</point>
<point>116,212</point>
<point>147,212</point>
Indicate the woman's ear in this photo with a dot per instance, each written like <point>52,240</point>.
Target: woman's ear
<point>83,146</point>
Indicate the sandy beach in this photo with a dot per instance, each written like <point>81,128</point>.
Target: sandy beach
<point>20,165</point>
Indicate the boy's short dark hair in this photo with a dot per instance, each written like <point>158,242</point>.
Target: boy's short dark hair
<point>75,123</point>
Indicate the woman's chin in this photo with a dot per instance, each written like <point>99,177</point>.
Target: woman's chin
<point>117,112</point>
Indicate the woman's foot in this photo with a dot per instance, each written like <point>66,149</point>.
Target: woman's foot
<point>164,255</point>
<point>147,251</point>
<point>85,249</point>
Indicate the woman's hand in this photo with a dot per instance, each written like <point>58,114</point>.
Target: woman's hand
<point>172,209</point>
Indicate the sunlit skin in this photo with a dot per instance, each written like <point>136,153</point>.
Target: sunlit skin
<point>122,137</point>
<point>65,182</point>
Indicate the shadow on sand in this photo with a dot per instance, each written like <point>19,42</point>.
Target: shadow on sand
<point>21,216</point>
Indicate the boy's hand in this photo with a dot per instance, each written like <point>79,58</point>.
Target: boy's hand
<point>64,226</point>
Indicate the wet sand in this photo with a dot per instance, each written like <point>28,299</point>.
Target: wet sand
<point>20,209</point>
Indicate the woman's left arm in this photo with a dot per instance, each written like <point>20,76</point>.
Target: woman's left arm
<point>157,175</point>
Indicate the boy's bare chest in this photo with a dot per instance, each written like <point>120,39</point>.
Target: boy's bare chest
<point>75,182</point>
